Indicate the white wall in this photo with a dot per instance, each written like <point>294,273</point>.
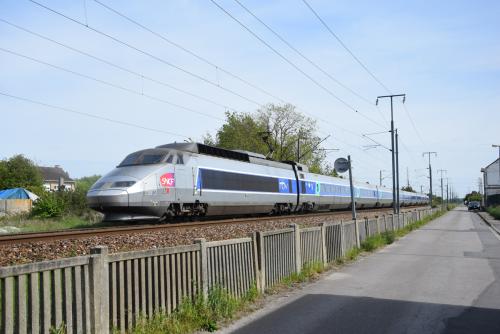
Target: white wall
<point>492,176</point>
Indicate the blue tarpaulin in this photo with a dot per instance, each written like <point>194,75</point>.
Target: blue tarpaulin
<point>17,193</point>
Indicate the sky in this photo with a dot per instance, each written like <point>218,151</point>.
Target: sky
<point>442,55</point>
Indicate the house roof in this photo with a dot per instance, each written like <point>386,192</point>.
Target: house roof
<point>54,173</point>
<point>494,162</point>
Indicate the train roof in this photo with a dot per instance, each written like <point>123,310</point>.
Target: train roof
<point>239,155</point>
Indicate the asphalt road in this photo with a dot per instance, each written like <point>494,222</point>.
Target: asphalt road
<point>443,278</point>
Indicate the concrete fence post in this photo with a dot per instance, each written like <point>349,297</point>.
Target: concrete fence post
<point>203,265</point>
<point>342,239</point>
<point>368,229</point>
<point>255,259</point>
<point>261,259</point>
<point>356,230</point>
<point>99,290</point>
<point>323,243</point>
<point>298,258</point>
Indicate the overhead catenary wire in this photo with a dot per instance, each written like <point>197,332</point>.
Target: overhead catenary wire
<point>327,27</point>
<point>196,55</point>
<point>110,84</point>
<point>205,60</point>
<point>119,67</point>
<point>293,65</point>
<point>148,54</point>
<point>301,54</point>
<point>154,57</point>
<point>81,113</point>
<point>413,125</point>
<point>111,64</point>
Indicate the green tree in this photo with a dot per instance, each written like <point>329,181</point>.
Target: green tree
<point>473,196</point>
<point>408,188</point>
<point>84,183</point>
<point>20,172</point>
<point>275,131</point>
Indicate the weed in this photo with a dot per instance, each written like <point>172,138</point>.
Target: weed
<point>373,242</point>
<point>61,329</point>
<point>353,254</point>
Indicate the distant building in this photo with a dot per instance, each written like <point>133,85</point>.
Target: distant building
<point>55,178</point>
<point>491,182</point>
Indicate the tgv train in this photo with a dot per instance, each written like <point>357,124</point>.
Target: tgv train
<point>193,179</point>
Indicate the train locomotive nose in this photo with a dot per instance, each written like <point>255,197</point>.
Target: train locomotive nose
<point>101,199</point>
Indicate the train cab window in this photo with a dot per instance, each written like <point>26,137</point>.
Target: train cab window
<point>170,159</point>
<point>145,157</point>
<point>180,159</point>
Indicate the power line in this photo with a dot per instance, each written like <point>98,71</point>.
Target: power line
<point>413,124</point>
<point>188,51</point>
<point>169,64</point>
<point>345,47</point>
<point>360,63</point>
<point>315,65</point>
<point>119,67</point>
<point>205,60</point>
<point>110,84</point>
<point>288,61</point>
<point>81,113</point>
<point>111,64</point>
<point>161,60</point>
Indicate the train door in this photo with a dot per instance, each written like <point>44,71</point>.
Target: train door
<point>197,190</point>
<point>183,178</point>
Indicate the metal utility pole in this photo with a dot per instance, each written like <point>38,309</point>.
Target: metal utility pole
<point>407,178</point>
<point>392,146</point>
<point>381,177</point>
<point>353,202</point>
<point>442,195</point>
<point>447,192</point>
<point>430,174</point>
<point>397,172</point>
<point>298,148</point>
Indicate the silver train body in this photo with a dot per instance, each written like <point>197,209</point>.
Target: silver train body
<point>192,179</point>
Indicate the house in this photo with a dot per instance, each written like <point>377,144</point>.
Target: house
<point>491,181</point>
<point>56,178</point>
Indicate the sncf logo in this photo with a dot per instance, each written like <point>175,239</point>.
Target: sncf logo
<point>167,180</point>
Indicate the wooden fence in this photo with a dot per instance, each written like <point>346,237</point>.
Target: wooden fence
<point>91,294</point>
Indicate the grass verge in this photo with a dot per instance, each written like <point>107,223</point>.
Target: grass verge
<point>494,211</point>
<point>24,224</point>
<point>197,314</point>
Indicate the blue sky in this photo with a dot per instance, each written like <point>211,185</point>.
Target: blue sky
<point>443,55</point>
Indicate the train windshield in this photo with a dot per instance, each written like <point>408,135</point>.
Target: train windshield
<point>146,157</point>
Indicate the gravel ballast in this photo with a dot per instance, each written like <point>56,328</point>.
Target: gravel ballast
<point>49,250</point>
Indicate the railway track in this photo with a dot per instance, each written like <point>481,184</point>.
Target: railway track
<point>9,239</point>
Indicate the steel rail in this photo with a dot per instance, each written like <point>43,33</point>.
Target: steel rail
<point>15,238</point>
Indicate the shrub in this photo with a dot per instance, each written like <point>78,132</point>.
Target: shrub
<point>494,211</point>
<point>50,204</point>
